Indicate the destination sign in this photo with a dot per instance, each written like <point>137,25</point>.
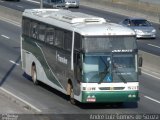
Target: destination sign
<point>130,50</point>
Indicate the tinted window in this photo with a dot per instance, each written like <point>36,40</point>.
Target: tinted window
<point>126,22</point>
<point>50,35</point>
<point>26,26</point>
<point>68,40</point>
<point>59,38</point>
<point>77,41</point>
<point>105,43</point>
<point>34,29</point>
<point>42,30</point>
<point>140,23</point>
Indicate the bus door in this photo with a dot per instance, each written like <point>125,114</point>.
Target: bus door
<point>78,70</point>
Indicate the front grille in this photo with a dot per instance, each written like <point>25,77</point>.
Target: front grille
<point>111,88</point>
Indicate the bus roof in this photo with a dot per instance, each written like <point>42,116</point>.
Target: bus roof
<point>82,23</point>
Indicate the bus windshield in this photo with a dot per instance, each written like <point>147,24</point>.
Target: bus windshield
<point>104,68</point>
<point>124,68</point>
<point>109,43</point>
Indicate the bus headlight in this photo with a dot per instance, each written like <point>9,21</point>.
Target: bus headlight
<point>153,30</point>
<point>131,96</point>
<point>138,31</point>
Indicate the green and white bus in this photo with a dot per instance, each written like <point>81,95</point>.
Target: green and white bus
<point>83,56</point>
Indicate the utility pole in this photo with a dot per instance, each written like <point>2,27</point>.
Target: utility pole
<point>41,4</point>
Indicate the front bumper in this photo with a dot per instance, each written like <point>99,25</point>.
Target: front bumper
<point>145,35</point>
<point>109,96</point>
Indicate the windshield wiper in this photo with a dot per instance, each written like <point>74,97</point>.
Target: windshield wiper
<point>105,72</point>
<point>120,76</point>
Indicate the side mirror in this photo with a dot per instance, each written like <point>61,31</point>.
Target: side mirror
<point>140,61</point>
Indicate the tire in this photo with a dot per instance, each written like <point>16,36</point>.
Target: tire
<point>119,104</point>
<point>34,75</point>
<point>72,100</point>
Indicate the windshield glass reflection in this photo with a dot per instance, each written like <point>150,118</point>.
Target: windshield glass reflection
<point>101,69</point>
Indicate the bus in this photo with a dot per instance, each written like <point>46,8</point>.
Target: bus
<point>81,55</point>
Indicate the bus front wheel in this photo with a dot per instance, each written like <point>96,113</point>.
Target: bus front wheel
<point>71,95</point>
<point>34,75</point>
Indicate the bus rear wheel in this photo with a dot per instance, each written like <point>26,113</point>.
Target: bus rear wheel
<point>34,75</point>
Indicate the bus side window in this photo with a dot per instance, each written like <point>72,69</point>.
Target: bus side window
<point>68,40</point>
<point>42,30</point>
<point>59,38</point>
<point>50,36</point>
<point>26,26</point>
<point>35,31</point>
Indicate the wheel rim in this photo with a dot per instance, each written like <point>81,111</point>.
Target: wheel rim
<point>34,75</point>
<point>72,94</point>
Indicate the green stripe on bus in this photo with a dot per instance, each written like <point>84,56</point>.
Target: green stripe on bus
<point>30,45</point>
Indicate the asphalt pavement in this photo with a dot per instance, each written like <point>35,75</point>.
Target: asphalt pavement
<point>10,106</point>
